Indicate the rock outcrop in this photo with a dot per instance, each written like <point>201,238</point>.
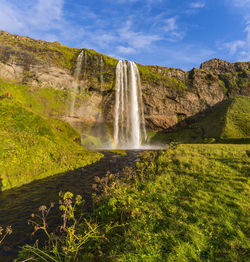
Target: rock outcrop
<point>218,66</point>
<point>170,95</point>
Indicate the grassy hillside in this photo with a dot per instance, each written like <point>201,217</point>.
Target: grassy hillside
<point>188,203</point>
<point>44,101</point>
<point>32,144</point>
<point>228,121</point>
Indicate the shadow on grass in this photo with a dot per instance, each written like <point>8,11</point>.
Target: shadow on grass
<point>195,129</point>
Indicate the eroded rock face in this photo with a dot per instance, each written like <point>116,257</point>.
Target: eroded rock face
<point>218,66</point>
<point>165,106</point>
<point>170,95</point>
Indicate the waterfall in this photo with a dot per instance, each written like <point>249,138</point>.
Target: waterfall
<point>77,72</point>
<point>101,71</point>
<point>129,126</point>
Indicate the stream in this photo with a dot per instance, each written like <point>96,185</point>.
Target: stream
<point>17,205</point>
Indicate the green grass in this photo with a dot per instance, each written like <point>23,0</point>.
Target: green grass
<point>237,123</point>
<point>33,147</point>
<point>184,204</point>
<point>229,120</point>
<point>118,152</point>
<point>187,203</point>
<point>32,144</point>
<point>46,101</point>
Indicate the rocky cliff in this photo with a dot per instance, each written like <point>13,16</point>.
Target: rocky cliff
<point>170,95</point>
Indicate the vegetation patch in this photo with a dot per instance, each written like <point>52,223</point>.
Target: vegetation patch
<point>189,203</point>
<point>45,101</point>
<point>32,144</point>
<point>118,152</point>
<point>33,147</point>
<point>235,82</point>
<point>48,52</point>
<point>148,75</point>
<point>229,120</point>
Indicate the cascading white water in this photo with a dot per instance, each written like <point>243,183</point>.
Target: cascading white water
<point>75,83</point>
<point>129,127</point>
<point>101,71</point>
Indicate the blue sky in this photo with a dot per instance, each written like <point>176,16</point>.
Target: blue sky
<point>172,33</point>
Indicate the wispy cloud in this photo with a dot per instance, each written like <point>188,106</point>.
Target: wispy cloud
<point>240,48</point>
<point>131,29</point>
<point>125,50</point>
<point>197,4</point>
<point>234,46</point>
<point>170,24</point>
<point>37,16</point>
<point>240,3</point>
<point>136,39</point>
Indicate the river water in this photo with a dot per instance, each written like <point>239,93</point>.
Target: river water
<point>16,205</point>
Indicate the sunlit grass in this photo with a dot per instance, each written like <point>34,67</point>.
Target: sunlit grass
<point>33,145</point>
<point>184,204</point>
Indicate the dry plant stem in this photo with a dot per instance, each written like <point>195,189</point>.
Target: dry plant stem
<point>8,231</point>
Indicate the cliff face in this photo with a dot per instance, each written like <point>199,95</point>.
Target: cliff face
<point>170,95</point>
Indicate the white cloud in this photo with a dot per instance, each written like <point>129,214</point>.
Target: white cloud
<point>10,20</point>
<point>233,46</point>
<point>197,4</point>
<point>125,50</point>
<point>33,17</point>
<point>136,39</point>
<point>134,1</point>
<point>186,55</point>
<point>240,3</point>
<point>170,24</point>
<point>239,48</point>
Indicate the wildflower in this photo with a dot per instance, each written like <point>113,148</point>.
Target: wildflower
<point>42,208</point>
<point>67,202</point>
<point>9,230</point>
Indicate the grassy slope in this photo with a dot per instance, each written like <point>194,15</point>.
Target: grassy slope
<point>230,120</point>
<point>186,204</point>
<point>33,145</point>
<point>45,101</point>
